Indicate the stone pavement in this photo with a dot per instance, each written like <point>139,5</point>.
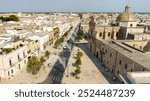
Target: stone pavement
<point>89,72</point>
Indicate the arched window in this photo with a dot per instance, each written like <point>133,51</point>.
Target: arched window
<point>131,25</point>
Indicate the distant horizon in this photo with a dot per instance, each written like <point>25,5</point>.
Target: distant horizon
<point>66,12</point>
<point>73,5</point>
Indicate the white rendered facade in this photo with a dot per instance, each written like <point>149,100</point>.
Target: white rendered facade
<point>13,62</point>
<point>43,39</point>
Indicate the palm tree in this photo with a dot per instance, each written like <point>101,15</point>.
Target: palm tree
<point>33,65</point>
<point>47,53</point>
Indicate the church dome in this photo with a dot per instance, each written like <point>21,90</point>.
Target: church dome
<point>127,15</point>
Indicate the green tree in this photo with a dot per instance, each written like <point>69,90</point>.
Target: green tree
<point>59,41</point>
<point>79,54</point>
<point>14,18</point>
<point>42,60</point>
<point>33,65</point>
<point>78,62</point>
<point>47,53</point>
<point>7,50</point>
<point>77,71</point>
<point>10,18</point>
<point>79,35</point>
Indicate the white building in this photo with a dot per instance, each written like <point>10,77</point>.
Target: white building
<point>43,39</point>
<point>12,62</point>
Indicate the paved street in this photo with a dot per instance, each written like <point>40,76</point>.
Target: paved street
<point>56,74</point>
<point>90,62</point>
<point>89,72</point>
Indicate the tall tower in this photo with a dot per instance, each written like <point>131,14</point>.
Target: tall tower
<point>92,35</point>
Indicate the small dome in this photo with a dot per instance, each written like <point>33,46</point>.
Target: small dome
<point>127,15</point>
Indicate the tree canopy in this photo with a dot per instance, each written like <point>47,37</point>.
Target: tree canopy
<point>47,53</point>
<point>33,65</point>
<point>77,71</point>
<point>78,62</point>
<point>59,41</point>
<point>79,35</point>
<point>9,18</point>
<point>79,54</point>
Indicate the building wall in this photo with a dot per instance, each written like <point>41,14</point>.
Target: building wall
<point>117,62</point>
<point>7,70</point>
<point>43,42</point>
<point>135,30</point>
<point>142,37</point>
<point>33,47</point>
<point>51,36</point>
<point>107,32</point>
<point>56,31</point>
<point>128,24</point>
<point>126,64</point>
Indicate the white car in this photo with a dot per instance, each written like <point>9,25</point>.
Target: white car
<point>64,47</point>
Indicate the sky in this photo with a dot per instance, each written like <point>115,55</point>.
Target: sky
<point>73,5</point>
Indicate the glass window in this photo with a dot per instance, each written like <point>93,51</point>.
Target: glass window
<point>126,66</point>
<point>19,66</point>
<point>131,70</point>
<point>120,62</point>
<point>10,63</point>
<point>12,71</point>
<point>18,57</point>
<point>100,34</point>
<point>110,54</point>
<point>8,73</point>
<point>117,71</point>
<point>24,54</point>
